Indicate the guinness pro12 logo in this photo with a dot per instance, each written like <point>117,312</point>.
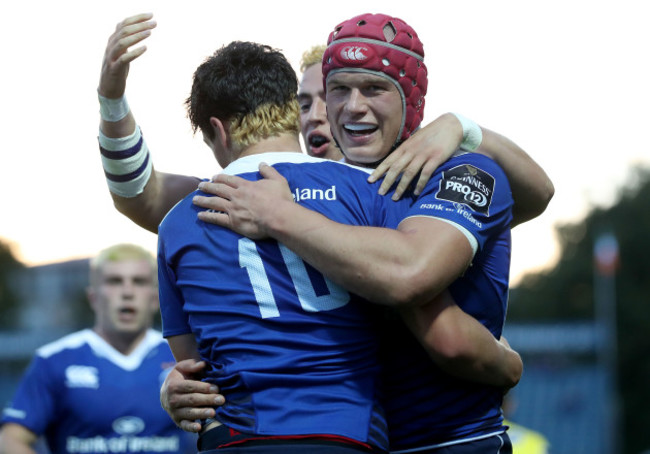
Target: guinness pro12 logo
<point>469,186</point>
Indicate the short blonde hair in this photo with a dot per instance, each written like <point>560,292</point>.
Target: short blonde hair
<point>268,120</point>
<point>119,253</point>
<point>312,56</point>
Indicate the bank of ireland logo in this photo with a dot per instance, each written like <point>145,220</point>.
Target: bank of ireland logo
<point>354,53</point>
<point>128,425</point>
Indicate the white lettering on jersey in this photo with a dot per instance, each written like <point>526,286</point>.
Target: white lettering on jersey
<point>314,194</point>
<point>122,444</point>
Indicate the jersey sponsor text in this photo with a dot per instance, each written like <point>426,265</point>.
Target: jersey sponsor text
<point>122,444</point>
<point>314,194</point>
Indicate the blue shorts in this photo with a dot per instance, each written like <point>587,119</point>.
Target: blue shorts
<point>496,444</point>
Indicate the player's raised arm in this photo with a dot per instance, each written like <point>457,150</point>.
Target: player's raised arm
<point>139,191</point>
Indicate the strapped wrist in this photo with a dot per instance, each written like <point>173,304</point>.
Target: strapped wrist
<point>472,133</point>
<point>113,110</point>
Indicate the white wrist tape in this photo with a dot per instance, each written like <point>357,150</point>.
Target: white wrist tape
<point>127,164</point>
<point>113,109</point>
<point>472,133</point>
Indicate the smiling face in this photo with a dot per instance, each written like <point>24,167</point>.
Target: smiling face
<point>365,113</point>
<point>124,297</point>
<point>313,115</point>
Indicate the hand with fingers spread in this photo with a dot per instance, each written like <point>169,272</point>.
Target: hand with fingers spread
<point>249,208</point>
<point>115,67</point>
<point>187,399</point>
<point>421,154</point>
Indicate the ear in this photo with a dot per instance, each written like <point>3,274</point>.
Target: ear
<point>220,130</point>
<point>91,295</point>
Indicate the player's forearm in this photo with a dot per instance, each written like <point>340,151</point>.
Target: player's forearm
<point>141,193</point>
<point>161,193</point>
<point>12,447</point>
<point>16,439</point>
<point>184,347</point>
<point>532,189</point>
<point>462,346</point>
<point>382,265</point>
<point>122,128</point>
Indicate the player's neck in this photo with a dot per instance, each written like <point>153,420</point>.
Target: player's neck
<point>282,142</point>
<point>124,343</point>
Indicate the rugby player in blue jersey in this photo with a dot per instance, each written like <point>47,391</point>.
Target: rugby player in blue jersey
<point>96,390</point>
<point>455,236</point>
<point>128,118</point>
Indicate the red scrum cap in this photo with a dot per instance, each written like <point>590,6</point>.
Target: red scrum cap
<point>387,46</point>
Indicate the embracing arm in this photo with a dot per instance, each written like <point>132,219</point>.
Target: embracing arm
<point>405,267</point>
<point>138,190</point>
<point>16,439</point>
<point>460,345</point>
<point>183,395</point>
<point>393,267</point>
<point>531,187</point>
<point>186,398</point>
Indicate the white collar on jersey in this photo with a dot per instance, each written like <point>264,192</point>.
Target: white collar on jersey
<point>103,349</point>
<point>251,163</point>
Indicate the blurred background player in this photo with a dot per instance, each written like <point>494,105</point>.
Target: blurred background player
<point>97,390</point>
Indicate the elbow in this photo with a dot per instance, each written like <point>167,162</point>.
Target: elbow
<point>543,198</point>
<point>515,371</point>
<point>547,194</point>
<point>537,205</point>
<point>138,211</point>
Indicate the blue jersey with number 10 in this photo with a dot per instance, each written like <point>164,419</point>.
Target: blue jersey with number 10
<point>294,353</point>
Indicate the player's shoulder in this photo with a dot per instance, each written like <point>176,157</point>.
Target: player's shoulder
<point>72,341</point>
<point>474,169</point>
<point>176,218</point>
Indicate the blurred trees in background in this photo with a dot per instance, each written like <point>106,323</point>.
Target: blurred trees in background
<point>566,293</point>
<point>9,301</point>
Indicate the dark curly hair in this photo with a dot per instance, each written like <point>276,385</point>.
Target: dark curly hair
<point>243,80</point>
